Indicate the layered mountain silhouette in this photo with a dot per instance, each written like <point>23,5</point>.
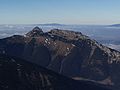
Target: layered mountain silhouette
<point>17,74</point>
<point>115,25</point>
<point>68,53</point>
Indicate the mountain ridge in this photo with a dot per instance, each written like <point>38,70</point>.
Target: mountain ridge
<point>67,52</point>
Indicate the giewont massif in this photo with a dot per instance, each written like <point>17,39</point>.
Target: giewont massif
<point>69,53</point>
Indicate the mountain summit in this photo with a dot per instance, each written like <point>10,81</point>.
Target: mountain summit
<point>35,32</point>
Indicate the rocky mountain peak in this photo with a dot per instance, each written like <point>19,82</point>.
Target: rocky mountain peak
<point>37,29</point>
<point>35,32</point>
<point>69,35</point>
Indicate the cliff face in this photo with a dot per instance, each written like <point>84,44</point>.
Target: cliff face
<point>17,74</point>
<point>66,52</point>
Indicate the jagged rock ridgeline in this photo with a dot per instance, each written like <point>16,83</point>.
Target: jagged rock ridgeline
<point>66,52</point>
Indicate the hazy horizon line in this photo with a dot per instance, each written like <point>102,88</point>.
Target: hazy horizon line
<point>52,23</point>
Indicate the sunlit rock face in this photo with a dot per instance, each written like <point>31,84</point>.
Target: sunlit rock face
<point>66,52</point>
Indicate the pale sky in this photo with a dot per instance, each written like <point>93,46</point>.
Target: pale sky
<point>59,11</point>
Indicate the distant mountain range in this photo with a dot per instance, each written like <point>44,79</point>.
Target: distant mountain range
<point>115,25</point>
<point>52,24</point>
<point>57,24</point>
<point>69,53</point>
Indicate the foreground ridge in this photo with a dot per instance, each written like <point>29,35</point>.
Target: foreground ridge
<point>17,74</point>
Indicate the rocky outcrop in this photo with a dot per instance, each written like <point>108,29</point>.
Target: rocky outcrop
<point>67,52</point>
<point>35,32</point>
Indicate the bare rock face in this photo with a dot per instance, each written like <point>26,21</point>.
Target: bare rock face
<point>35,32</point>
<point>67,52</point>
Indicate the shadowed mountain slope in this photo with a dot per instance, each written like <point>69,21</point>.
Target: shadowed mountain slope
<point>17,74</point>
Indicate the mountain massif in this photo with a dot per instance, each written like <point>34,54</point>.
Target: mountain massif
<point>69,53</point>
